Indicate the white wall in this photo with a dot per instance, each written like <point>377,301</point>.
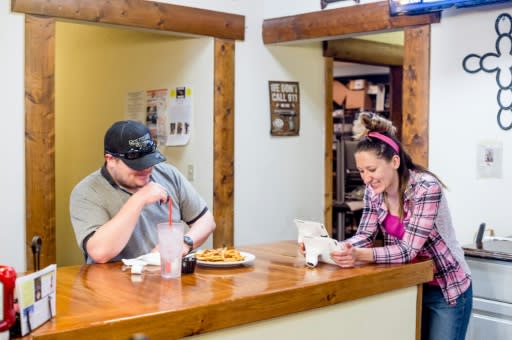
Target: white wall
<point>12,168</point>
<point>277,179</point>
<point>463,111</point>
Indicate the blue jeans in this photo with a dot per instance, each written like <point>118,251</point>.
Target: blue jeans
<point>441,321</point>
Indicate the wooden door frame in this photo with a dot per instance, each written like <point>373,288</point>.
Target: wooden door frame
<point>365,19</point>
<point>40,23</point>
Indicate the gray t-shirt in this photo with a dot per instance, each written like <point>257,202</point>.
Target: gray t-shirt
<point>97,199</point>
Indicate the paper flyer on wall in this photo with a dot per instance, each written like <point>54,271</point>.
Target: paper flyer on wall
<point>179,116</point>
<point>156,120</point>
<point>149,107</point>
<point>36,294</point>
<point>135,106</point>
<point>490,159</point>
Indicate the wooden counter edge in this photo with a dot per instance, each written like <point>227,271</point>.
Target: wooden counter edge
<point>207,318</point>
<point>487,254</point>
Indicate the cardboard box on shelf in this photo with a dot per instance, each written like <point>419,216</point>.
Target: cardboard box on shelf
<point>358,99</point>
<point>339,92</point>
<point>357,84</point>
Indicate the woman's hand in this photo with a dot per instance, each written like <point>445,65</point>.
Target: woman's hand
<point>346,257</point>
<point>302,248</point>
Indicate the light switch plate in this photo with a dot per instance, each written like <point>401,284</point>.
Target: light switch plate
<point>190,172</point>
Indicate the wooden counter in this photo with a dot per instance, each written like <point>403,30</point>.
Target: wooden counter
<point>103,302</point>
<point>493,249</point>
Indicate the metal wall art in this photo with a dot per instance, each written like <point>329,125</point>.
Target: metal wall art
<point>498,62</point>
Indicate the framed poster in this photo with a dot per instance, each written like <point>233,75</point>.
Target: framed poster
<point>284,108</point>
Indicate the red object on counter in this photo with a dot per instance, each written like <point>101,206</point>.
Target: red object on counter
<point>8,279</point>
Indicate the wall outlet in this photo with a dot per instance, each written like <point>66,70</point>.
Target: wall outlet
<point>190,172</point>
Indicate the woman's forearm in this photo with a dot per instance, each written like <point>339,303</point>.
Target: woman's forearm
<point>363,255</point>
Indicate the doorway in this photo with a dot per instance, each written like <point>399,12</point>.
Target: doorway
<point>365,19</point>
<point>413,114</point>
<point>365,79</point>
<point>96,67</point>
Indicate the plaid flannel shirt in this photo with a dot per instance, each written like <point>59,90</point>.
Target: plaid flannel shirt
<point>421,238</point>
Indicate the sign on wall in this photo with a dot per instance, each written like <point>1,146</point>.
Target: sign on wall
<point>284,108</point>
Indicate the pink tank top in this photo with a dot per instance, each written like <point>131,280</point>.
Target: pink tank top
<point>393,226</point>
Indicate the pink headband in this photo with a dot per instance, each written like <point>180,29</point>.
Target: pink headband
<point>385,139</point>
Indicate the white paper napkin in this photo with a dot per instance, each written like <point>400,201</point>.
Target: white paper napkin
<point>137,264</point>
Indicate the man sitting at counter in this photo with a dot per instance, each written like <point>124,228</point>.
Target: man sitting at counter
<point>115,210</point>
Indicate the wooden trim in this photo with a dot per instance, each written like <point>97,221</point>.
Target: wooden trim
<point>419,311</point>
<point>364,52</point>
<point>416,81</point>
<point>395,84</point>
<point>329,128</point>
<point>224,142</point>
<point>331,24</point>
<point>40,136</point>
<point>141,14</point>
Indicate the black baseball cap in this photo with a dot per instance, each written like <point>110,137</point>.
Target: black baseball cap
<point>131,141</point>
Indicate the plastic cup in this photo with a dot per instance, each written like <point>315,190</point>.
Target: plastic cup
<point>170,242</point>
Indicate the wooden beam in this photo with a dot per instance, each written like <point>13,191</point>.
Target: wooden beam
<point>224,142</point>
<point>141,14</point>
<point>419,311</point>
<point>40,137</point>
<point>329,128</point>
<point>416,93</point>
<point>331,24</point>
<point>364,52</point>
<point>395,89</point>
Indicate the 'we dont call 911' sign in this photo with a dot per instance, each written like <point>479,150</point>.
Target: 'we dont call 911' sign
<point>284,108</point>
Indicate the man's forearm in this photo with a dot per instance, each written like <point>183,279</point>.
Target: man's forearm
<point>110,239</point>
<point>202,228</point>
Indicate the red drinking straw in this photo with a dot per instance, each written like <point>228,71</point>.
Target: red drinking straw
<point>170,210</point>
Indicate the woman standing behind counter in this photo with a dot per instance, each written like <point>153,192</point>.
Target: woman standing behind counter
<point>406,202</point>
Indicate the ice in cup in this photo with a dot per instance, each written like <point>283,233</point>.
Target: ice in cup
<point>170,242</point>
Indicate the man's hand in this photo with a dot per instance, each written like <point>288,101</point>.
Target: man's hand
<point>152,193</point>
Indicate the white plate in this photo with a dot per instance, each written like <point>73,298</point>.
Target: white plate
<point>249,258</point>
